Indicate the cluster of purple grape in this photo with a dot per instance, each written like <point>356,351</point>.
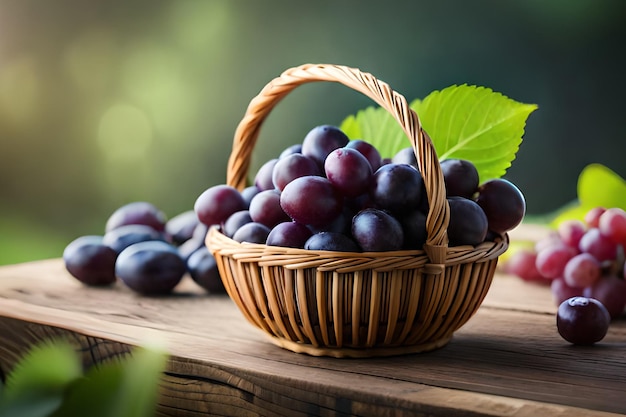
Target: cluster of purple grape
<point>147,252</point>
<point>332,193</point>
<point>581,261</point>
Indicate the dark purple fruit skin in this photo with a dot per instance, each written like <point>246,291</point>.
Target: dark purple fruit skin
<point>376,231</point>
<point>322,140</point>
<point>138,212</point>
<point>203,270</point>
<point>289,235</point>
<point>354,205</point>
<point>291,167</point>
<point>196,241</point>
<point>608,290</point>
<point>180,227</point>
<point>189,247</point>
<point>290,150</point>
<point>414,229</point>
<point>248,193</point>
<point>150,268</point>
<point>252,233</point>
<point>122,237</point>
<point>368,151</point>
<point>321,204</point>
<point>217,203</point>
<point>503,203</point>
<point>263,178</point>
<point>468,223</point>
<point>265,208</point>
<point>90,261</point>
<point>582,320</point>
<point>460,177</point>
<point>405,156</point>
<point>397,188</point>
<point>340,224</point>
<point>235,221</point>
<point>337,242</point>
<point>349,171</point>
<point>200,232</point>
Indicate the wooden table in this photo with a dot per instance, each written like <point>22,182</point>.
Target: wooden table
<point>508,360</point>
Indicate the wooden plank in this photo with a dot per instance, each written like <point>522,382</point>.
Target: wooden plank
<point>507,360</point>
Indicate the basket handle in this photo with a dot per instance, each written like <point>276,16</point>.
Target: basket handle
<point>260,106</point>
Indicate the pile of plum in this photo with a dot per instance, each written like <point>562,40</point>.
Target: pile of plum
<point>327,193</point>
<point>147,252</point>
<point>335,194</point>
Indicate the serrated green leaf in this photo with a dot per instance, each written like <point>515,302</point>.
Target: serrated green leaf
<point>122,388</point>
<point>598,186</point>
<point>378,127</point>
<point>37,384</point>
<point>477,124</point>
<point>466,122</point>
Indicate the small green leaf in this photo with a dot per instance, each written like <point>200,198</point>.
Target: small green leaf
<point>93,395</point>
<point>121,388</point>
<point>465,122</point>
<point>598,186</point>
<point>37,384</point>
<point>477,124</point>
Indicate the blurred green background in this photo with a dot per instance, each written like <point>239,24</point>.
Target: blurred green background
<point>107,102</point>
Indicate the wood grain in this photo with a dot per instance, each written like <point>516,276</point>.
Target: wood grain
<point>508,360</point>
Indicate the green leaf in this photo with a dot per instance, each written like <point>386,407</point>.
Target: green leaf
<point>598,186</point>
<point>378,127</point>
<point>465,122</point>
<point>120,388</point>
<point>38,382</point>
<point>477,124</point>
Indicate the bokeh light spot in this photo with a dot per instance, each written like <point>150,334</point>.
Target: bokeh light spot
<point>19,90</point>
<point>89,58</point>
<point>124,133</point>
<point>154,76</point>
<point>200,26</point>
<point>151,71</point>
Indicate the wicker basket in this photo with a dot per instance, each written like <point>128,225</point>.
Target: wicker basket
<point>354,304</point>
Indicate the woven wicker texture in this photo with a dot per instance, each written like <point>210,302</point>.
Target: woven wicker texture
<point>354,304</point>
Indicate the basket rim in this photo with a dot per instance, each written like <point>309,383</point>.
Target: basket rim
<point>297,258</point>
